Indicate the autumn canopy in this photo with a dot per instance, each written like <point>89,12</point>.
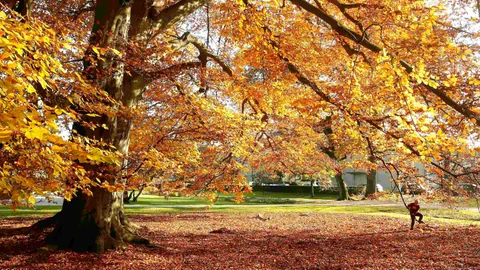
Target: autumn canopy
<point>97,96</point>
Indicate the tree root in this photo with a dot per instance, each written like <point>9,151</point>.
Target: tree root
<point>46,223</point>
<point>131,236</point>
<point>37,227</point>
<point>137,239</point>
<point>127,233</point>
<point>85,235</point>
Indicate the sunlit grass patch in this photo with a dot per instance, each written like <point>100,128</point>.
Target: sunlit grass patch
<point>6,211</point>
<point>252,198</point>
<point>255,203</point>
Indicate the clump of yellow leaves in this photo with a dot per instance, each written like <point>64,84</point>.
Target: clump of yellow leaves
<point>34,158</point>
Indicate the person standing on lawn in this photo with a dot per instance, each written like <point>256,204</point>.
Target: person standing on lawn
<point>413,208</point>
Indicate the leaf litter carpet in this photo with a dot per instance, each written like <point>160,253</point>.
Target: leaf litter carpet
<point>262,241</point>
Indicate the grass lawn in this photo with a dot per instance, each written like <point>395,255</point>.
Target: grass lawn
<point>318,196</point>
<point>264,202</point>
<point>430,215</point>
<point>39,210</point>
<point>160,204</point>
<point>252,198</point>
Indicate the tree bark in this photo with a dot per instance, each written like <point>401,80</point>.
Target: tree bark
<point>313,188</point>
<point>371,183</point>
<point>342,188</point>
<point>93,223</point>
<point>127,197</point>
<point>135,198</point>
<point>96,223</point>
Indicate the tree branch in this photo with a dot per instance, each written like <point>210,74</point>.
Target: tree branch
<point>360,39</point>
<point>343,8</point>
<point>186,39</point>
<point>307,82</point>
<point>160,20</point>
<point>150,76</point>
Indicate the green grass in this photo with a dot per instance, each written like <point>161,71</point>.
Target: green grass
<point>445,215</point>
<point>161,204</point>
<point>318,196</point>
<point>471,203</point>
<point>253,198</point>
<point>159,200</point>
<point>39,210</point>
<point>263,202</point>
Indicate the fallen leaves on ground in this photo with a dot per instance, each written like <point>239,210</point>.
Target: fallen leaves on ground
<point>284,241</point>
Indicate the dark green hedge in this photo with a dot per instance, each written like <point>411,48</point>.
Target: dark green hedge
<point>305,189</point>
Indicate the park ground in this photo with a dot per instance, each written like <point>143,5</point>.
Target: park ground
<point>267,232</point>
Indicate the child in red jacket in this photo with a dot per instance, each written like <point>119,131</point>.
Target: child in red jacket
<point>413,208</point>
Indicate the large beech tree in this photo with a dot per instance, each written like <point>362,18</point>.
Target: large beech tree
<point>189,91</point>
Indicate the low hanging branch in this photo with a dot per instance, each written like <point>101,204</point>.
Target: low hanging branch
<point>385,165</point>
<point>374,156</point>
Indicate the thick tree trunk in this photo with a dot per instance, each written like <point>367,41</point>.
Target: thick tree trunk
<point>97,222</point>
<point>371,183</point>
<point>128,197</point>
<point>342,188</point>
<point>93,223</point>
<point>135,198</point>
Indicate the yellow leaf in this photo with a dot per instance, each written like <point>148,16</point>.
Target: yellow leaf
<point>31,200</point>
<point>95,49</point>
<point>36,132</point>
<point>5,135</point>
<point>19,51</point>
<point>30,89</point>
<point>57,148</point>
<point>42,82</point>
<point>116,52</point>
